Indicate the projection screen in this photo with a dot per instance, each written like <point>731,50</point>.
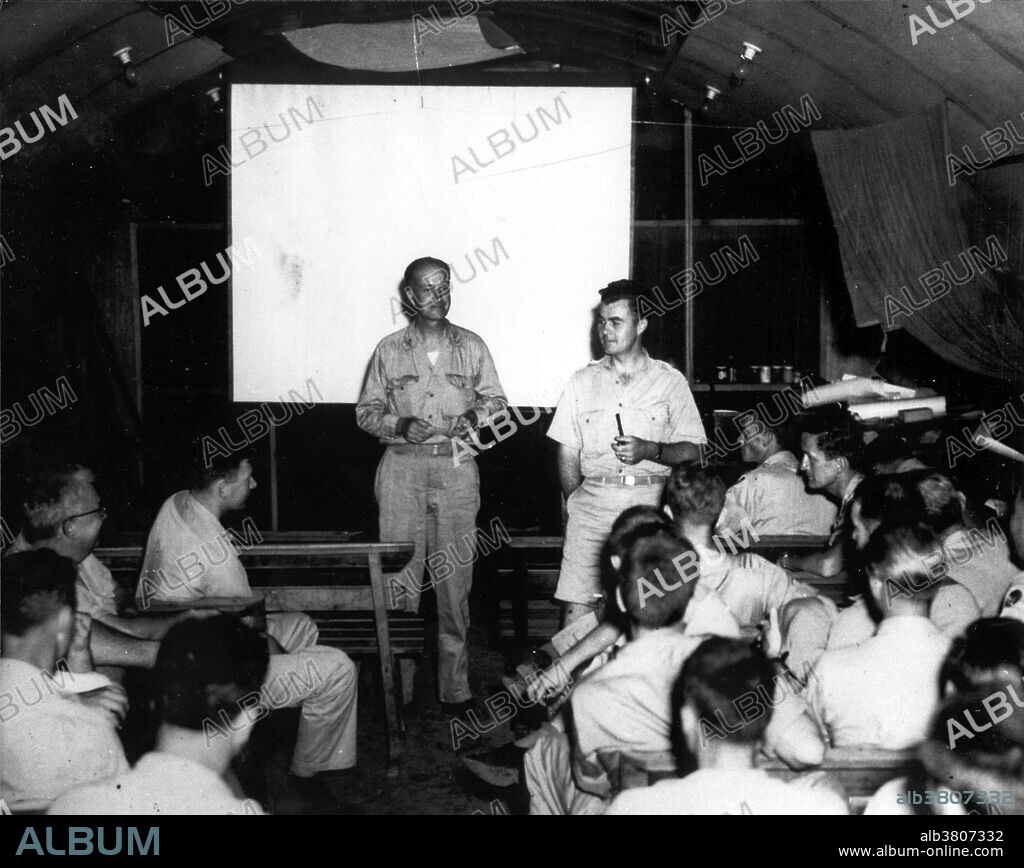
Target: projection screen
<point>525,191</point>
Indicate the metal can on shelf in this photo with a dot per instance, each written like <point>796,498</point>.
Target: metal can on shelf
<point>776,373</point>
<point>764,374</point>
<point>788,374</point>
<point>721,374</point>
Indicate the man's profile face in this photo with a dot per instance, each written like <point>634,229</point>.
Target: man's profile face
<point>430,293</point>
<point>617,327</point>
<point>819,470</point>
<point>237,488</point>
<point>84,530</point>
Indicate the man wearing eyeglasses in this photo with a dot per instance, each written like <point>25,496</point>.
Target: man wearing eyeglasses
<point>427,383</point>
<point>62,511</point>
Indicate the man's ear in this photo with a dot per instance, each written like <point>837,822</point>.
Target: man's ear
<point>668,511</point>
<point>689,723</point>
<point>618,599</point>
<point>616,562</point>
<point>641,326</point>
<point>65,619</point>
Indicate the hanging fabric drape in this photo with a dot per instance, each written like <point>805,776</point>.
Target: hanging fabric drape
<point>908,258</point>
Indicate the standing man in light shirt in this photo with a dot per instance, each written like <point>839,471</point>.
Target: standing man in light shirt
<point>604,471</point>
<point>427,383</point>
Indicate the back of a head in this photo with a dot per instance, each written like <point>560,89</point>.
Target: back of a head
<point>49,496</point>
<point>631,522</point>
<point>891,498</point>
<point>657,578</point>
<point>976,743</point>
<point>989,650</point>
<point>942,503</point>
<point>210,464</point>
<point>204,667</point>
<point>34,586</point>
<point>694,494</point>
<point>718,674</point>
<point>906,562</point>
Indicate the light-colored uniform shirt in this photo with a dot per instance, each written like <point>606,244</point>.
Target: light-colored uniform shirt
<point>714,791</point>
<point>50,742</point>
<point>749,585</point>
<point>160,783</point>
<point>773,499</point>
<point>883,692</point>
<point>95,588</point>
<point>189,555</point>
<point>626,705</point>
<point>401,381</point>
<point>655,404</point>
<point>980,562</point>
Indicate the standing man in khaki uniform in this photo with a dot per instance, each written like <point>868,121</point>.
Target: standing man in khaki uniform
<point>603,472</point>
<point>427,383</point>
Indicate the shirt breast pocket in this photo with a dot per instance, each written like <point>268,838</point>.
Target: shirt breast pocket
<point>595,431</point>
<point>655,421</point>
<point>400,393</point>
<point>460,394</point>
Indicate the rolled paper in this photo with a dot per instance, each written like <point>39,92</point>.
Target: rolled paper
<point>853,389</point>
<point>983,442</point>
<point>891,409</point>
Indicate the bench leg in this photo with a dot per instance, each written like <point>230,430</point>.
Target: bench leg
<point>392,685</point>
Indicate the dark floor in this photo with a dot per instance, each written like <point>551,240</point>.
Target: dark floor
<point>432,780</point>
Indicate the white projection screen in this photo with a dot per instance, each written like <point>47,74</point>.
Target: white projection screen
<point>526,191</point>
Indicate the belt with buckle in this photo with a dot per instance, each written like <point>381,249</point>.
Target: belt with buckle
<point>658,479</point>
<point>421,448</point>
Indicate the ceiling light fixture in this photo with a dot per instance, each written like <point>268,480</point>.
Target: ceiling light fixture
<point>710,95</point>
<point>739,75</point>
<point>130,74</point>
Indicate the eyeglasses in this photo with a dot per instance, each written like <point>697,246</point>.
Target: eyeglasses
<point>99,509</point>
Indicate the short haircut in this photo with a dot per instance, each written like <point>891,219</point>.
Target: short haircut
<point>716,676</point>
<point>838,436</point>
<point>209,468</point>
<point>891,498</point>
<point>694,493</point>
<point>421,264</point>
<point>940,496</point>
<point>622,290</point>
<point>781,429</point>
<point>651,563</point>
<point>204,667</point>
<point>895,553</point>
<point>984,647</point>
<point>49,497</point>
<point>962,757</point>
<point>34,587</point>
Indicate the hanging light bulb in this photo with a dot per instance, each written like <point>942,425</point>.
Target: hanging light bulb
<point>710,95</point>
<point>129,74</point>
<point>739,75</point>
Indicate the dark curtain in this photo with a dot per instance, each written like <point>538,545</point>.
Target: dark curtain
<point>897,218</point>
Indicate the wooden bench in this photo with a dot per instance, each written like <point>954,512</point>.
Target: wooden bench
<point>861,770</point>
<point>357,618</point>
<point>513,565</point>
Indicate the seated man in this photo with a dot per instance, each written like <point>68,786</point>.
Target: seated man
<point>712,687</point>
<point>624,706</point>
<point>62,512</point>
<point>772,498</point>
<point>833,449</point>
<point>204,670</point>
<point>748,584</point>
<point>50,740</point>
<point>188,557</point>
<point>882,692</point>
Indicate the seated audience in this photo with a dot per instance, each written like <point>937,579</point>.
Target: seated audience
<point>833,451</point>
<point>710,691</point>
<point>748,584</point>
<point>624,707</point>
<point>882,692</point>
<point>188,557</point>
<point>204,671</point>
<point>62,512</point>
<point>772,498</point>
<point>51,740</point>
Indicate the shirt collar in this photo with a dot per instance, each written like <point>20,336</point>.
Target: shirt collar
<point>784,457</point>
<point>411,336</point>
<point>606,362</point>
<point>903,624</point>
